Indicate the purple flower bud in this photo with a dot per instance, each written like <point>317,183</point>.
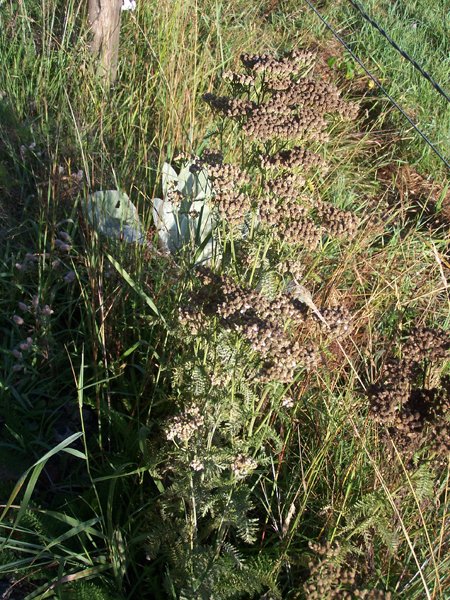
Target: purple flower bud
<point>31,257</point>
<point>18,320</point>
<point>35,301</point>
<point>46,311</point>
<point>64,236</point>
<point>62,245</point>
<point>23,306</point>
<point>24,346</point>
<point>19,266</point>
<point>56,264</point>
<point>17,367</point>
<point>17,354</point>
<point>70,277</point>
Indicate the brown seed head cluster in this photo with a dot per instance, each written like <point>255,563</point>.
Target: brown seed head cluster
<point>227,181</point>
<point>260,320</point>
<point>238,78</point>
<point>330,578</point>
<point>336,221</point>
<point>426,344</point>
<point>290,63</point>
<point>320,95</point>
<point>297,110</point>
<point>275,120</point>
<point>174,195</point>
<point>289,222</point>
<point>337,321</point>
<point>284,187</point>
<point>296,157</point>
<point>235,108</point>
<point>193,320</point>
<point>413,413</point>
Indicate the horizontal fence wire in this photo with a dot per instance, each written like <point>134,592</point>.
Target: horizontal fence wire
<point>405,55</point>
<point>379,85</point>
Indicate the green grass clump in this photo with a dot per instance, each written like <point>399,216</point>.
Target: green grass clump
<point>422,30</point>
<point>173,430</point>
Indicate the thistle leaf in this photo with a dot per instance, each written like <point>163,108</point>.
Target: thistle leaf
<point>191,223</point>
<point>169,178</point>
<point>195,186</point>
<point>112,214</point>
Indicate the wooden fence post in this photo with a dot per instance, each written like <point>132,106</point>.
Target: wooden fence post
<point>104,22</point>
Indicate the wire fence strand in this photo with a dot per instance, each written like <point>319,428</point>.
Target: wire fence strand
<point>379,85</point>
<point>405,55</point>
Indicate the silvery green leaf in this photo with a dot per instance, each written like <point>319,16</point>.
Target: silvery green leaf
<point>169,178</point>
<point>208,253</point>
<point>164,220</point>
<point>204,187</point>
<point>201,218</point>
<point>113,214</point>
<point>172,224</point>
<point>187,225</point>
<point>204,224</point>
<point>195,186</point>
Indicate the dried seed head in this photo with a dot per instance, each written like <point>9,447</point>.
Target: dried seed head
<point>227,181</point>
<point>415,415</point>
<point>238,78</point>
<point>192,318</point>
<point>234,108</point>
<point>184,426</point>
<point>271,121</point>
<point>336,321</point>
<point>293,158</point>
<point>242,466</point>
<point>290,63</point>
<point>426,343</point>
<point>262,322</point>
<point>285,186</point>
<point>336,221</point>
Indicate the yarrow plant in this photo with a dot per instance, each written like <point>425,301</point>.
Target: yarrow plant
<point>248,343</point>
